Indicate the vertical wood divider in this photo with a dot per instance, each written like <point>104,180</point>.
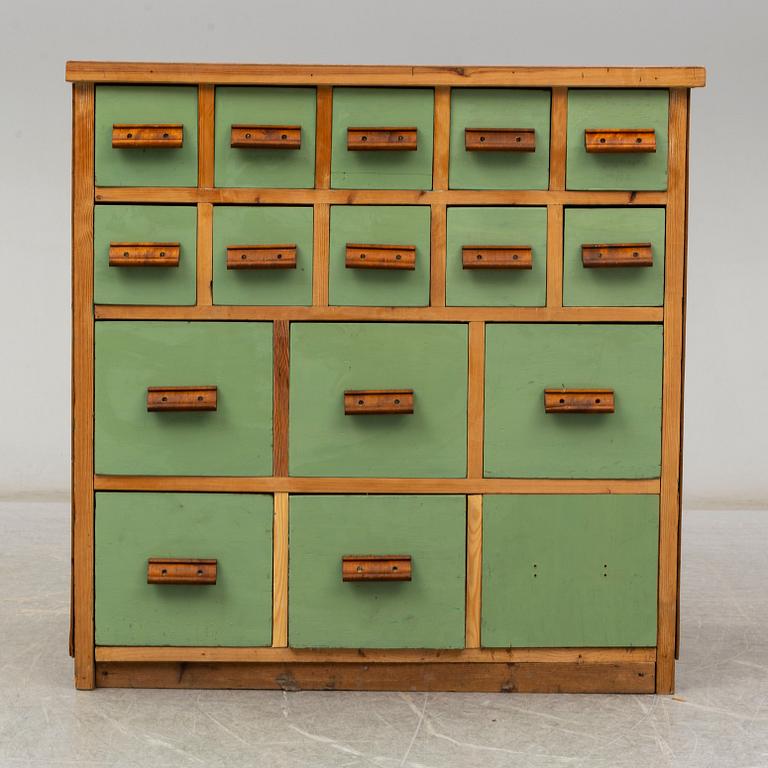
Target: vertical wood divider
<point>476,399</point>
<point>322,211</point>
<point>280,572</point>
<point>281,350</point>
<point>437,255</point>
<point>323,131</point>
<point>554,255</point>
<point>206,96</point>
<point>558,139</point>
<point>204,254</point>
<point>440,160</point>
<point>321,255</point>
<point>474,569</point>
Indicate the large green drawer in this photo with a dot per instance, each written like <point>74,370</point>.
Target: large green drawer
<point>146,104</point>
<point>234,529</point>
<point>426,612</point>
<point>566,571</point>
<point>329,358</point>
<point>522,440</point>
<point>236,439</point>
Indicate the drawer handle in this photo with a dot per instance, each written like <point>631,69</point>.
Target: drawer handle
<point>596,255</point>
<point>361,256</point>
<point>376,568</point>
<point>382,139</point>
<point>578,401</point>
<point>261,256</point>
<point>147,136</point>
<point>500,139</point>
<point>144,254</point>
<point>620,140</point>
<point>265,137</point>
<point>181,570</point>
<point>377,401</point>
<point>497,257</point>
<point>182,398</point>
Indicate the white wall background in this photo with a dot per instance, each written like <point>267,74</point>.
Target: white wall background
<point>726,438</point>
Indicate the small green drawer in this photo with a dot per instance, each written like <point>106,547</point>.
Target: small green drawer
<point>262,225</point>
<point>606,109</point>
<point>139,105</point>
<point>522,440</point>
<point>233,529</point>
<point>426,612</point>
<point>265,106</point>
<point>499,108</point>
<point>569,571</point>
<point>144,224</point>
<point>329,358</point>
<point>379,225</point>
<point>235,439</point>
<point>496,287</point>
<point>613,286</point>
<point>382,108</point>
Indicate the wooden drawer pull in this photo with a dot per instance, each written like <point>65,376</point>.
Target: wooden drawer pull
<point>179,570</point>
<point>265,137</point>
<point>376,568</point>
<point>377,401</point>
<point>597,255</point>
<point>182,398</point>
<point>620,140</point>
<point>144,254</point>
<point>500,139</point>
<point>382,139</point>
<point>361,256</point>
<point>578,401</point>
<point>497,257</point>
<point>147,136</point>
<point>261,256</point>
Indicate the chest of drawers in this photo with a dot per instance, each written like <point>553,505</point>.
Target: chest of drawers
<point>377,376</point>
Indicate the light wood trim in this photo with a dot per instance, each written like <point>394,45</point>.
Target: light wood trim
<point>476,399</point>
<point>442,138</point>
<point>320,259</point>
<point>558,138</point>
<point>555,216</point>
<point>281,351</point>
<point>323,137</point>
<point>204,255</point>
<point>280,572</point>
<point>474,570</point>
<point>206,95</point>
<point>437,248</point>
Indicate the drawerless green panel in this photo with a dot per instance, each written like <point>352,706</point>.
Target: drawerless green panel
<point>426,612</point>
<point>379,225</point>
<point>234,529</point>
<point>144,224</point>
<point>328,358</point>
<point>611,108</point>
<point>613,286</point>
<point>236,439</point>
<point>522,440</point>
<point>161,167</point>
<point>499,108</point>
<point>262,225</point>
<point>238,167</point>
<point>496,287</point>
<point>566,571</point>
<point>382,108</point>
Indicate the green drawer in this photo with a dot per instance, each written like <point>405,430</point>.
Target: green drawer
<point>262,225</point>
<point>614,286</point>
<point>144,224</point>
<point>234,529</point>
<point>329,358</point>
<point>379,225</point>
<point>595,109</point>
<point>382,108</point>
<point>236,439</point>
<point>496,287</point>
<point>426,612</point>
<point>499,108</point>
<point>569,571</point>
<point>522,440</point>
<point>247,167</point>
<point>163,167</point>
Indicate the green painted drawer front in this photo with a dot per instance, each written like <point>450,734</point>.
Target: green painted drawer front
<point>426,612</point>
<point>382,108</point>
<point>262,225</point>
<point>145,167</point>
<point>265,167</point>
<point>496,287</point>
<point>328,358</point>
<point>234,529</point>
<point>590,109</point>
<point>379,225</point>
<point>499,108</point>
<point>615,286</point>
<point>565,571</point>
<point>144,224</point>
<point>521,440</point>
<point>236,439</point>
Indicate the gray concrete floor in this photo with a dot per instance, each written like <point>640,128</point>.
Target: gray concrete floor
<point>718,718</point>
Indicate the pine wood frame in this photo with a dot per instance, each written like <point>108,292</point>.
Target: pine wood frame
<point>475,668</point>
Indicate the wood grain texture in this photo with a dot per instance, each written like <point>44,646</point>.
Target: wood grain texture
<point>555,257</point>
<point>146,136</point>
<point>278,256</point>
<point>320,257</point>
<point>619,140</point>
<point>204,255</point>
<point>476,399</point>
<point>558,139</point>
<point>281,350</point>
<point>441,143</point>
<point>382,139</point>
<point>280,572</point>
<point>144,254</point>
<point>499,139</point>
<point>206,98</point>
<point>176,570</point>
<point>362,402</point>
<point>265,136</point>
<point>437,255</point>
<point>323,130</point>
<point>497,257</point>
<point>192,398</point>
<point>376,568</point>
<point>367,256</point>
<point>474,569</point>
<point>608,256</point>
<point>579,401</point>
